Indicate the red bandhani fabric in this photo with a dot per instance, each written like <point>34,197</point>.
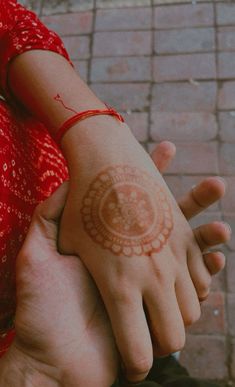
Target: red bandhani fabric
<point>31,164</point>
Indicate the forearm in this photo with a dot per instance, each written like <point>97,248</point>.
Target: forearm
<point>49,87</point>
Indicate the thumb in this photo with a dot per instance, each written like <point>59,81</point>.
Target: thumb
<point>51,209</point>
<point>43,227</point>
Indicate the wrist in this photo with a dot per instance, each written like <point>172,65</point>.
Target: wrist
<point>93,138</point>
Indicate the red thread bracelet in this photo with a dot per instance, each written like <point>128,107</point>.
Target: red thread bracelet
<point>81,116</point>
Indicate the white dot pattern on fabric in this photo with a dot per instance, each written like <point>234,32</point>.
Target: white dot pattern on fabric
<point>31,165</point>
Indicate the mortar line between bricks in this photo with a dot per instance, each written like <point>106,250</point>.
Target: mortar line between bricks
<point>155,54</point>
<point>198,27</point>
<point>148,139</point>
<point>155,5</point>
<point>41,8</point>
<point>184,3</point>
<point>186,81</point>
<point>92,33</point>
<point>227,337</point>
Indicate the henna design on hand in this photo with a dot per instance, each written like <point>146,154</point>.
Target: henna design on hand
<point>127,212</point>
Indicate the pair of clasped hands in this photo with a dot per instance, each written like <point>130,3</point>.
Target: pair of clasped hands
<point>65,336</point>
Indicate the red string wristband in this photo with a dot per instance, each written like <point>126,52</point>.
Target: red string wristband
<point>81,116</point>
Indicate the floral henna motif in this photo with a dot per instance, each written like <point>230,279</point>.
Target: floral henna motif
<point>127,212</point>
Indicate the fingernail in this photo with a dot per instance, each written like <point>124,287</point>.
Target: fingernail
<point>228,226</point>
<point>223,180</point>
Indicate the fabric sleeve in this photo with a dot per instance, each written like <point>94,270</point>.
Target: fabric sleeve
<point>21,31</point>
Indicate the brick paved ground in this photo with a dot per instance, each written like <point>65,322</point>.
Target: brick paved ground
<point>171,69</point>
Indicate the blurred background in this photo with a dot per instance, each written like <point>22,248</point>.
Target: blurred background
<point>169,67</point>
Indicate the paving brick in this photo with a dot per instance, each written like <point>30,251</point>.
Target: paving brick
<point>122,43</point>
<point>228,202</point>
<point>227,126</point>
<point>121,69</point>
<point>34,5</point>
<point>232,368</point>
<point>123,19</point>
<point>212,320</point>
<point>175,185</point>
<point>225,13</point>
<point>80,5</point>
<point>62,6</point>
<point>205,218</point>
<point>230,271</point>
<point>81,66</point>
<point>54,7</point>
<point>205,355</point>
<point>122,3</point>
<point>227,159</point>
<point>226,65</point>
<point>184,97</point>
<point>70,24</point>
<point>218,282</point>
<point>231,313</point>
<point>198,158</point>
<point>226,96</point>
<point>184,67</point>
<point>182,16</point>
<point>226,38</point>
<point>128,96</point>
<point>231,220</point>
<point>184,40</point>
<point>183,127</point>
<point>138,123</point>
<point>78,47</point>
<point>175,1</point>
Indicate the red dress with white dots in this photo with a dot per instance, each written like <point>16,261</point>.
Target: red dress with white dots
<point>31,165</point>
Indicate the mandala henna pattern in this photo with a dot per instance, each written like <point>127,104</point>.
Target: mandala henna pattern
<point>127,212</point>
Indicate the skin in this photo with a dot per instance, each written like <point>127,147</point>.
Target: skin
<point>167,284</point>
<point>40,354</point>
<point>121,215</point>
<point>149,297</point>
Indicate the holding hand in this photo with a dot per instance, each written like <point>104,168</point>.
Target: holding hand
<point>63,336</point>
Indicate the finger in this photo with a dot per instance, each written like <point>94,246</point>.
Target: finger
<point>163,154</point>
<point>51,209</point>
<point>199,273</point>
<point>202,196</point>
<point>187,298</point>
<point>132,335</point>
<point>212,234</point>
<point>165,321</point>
<point>44,225</point>
<point>214,261</point>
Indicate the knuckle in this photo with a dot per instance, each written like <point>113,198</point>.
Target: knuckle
<point>139,366</point>
<point>204,286</point>
<point>192,317</point>
<point>174,345</point>
<point>120,294</point>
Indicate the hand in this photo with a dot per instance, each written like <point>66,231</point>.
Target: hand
<point>37,302</point>
<point>136,244</point>
<point>63,336</point>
